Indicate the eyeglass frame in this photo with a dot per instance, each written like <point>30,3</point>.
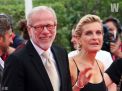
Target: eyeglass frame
<point>41,27</point>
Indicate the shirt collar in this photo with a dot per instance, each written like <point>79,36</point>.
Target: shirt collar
<point>39,50</point>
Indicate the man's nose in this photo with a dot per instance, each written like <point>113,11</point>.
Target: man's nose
<point>45,30</point>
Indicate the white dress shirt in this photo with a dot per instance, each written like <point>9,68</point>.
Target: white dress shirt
<point>40,51</point>
<point>1,62</point>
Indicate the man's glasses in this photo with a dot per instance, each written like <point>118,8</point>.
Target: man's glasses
<point>41,27</point>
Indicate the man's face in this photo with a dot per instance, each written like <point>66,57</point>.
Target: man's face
<point>43,29</point>
<point>5,41</point>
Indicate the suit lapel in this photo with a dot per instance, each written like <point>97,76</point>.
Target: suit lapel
<point>59,63</point>
<point>36,60</point>
<point>1,68</point>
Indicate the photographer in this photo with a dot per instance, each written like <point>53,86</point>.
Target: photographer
<point>114,27</point>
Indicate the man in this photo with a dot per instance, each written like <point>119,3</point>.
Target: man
<point>26,69</point>
<point>5,40</point>
<point>115,32</point>
<point>6,48</point>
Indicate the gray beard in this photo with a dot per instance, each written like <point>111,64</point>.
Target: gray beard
<point>3,49</point>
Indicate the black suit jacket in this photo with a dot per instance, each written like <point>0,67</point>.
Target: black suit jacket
<point>24,70</point>
<point>1,73</point>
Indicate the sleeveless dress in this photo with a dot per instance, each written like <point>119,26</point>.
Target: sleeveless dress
<point>90,86</point>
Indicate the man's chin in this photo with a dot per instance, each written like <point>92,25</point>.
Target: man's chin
<point>46,47</point>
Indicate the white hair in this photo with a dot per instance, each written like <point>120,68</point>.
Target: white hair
<point>40,8</point>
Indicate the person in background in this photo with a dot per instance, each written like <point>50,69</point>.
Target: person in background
<point>5,40</point>
<point>115,37</point>
<point>17,40</point>
<point>114,74</point>
<point>31,68</point>
<point>114,29</point>
<point>22,24</point>
<point>74,42</point>
<point>90,38</point>
<point>10,49</point>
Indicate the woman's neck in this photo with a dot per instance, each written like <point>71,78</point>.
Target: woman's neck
<point>88,56</point>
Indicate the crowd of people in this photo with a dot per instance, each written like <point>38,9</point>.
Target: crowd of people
<point>32,62</point>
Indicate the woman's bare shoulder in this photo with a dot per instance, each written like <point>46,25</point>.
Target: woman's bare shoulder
<point>101,65</point>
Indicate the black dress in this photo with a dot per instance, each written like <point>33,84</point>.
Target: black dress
<point>115,73</point>
<point>93,87</point>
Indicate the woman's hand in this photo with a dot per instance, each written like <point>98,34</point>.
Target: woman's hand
<point>83,78</point>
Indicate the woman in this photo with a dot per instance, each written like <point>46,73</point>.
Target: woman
<point>84,65</point>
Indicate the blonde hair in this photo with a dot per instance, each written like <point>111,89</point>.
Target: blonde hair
<point>86,20</point>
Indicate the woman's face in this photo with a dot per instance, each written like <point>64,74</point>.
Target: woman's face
<point>91,38</point>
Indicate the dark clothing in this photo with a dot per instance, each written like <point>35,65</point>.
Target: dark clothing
<point>115,71</point>
<point>24,70</point>
<point>90,86</point>
<point>17,41</point>
<point>95,87</point>
<point>1,73</point>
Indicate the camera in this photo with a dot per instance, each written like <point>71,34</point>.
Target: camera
<point>112,37</point>
<point>108,38</point>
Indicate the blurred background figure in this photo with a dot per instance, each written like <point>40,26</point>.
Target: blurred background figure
<point>115,31</point>
<point>22,24</point>
<point>5,40</point>
<point>17,40</point>
<point>74,41</point>
<point>5,27</point>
